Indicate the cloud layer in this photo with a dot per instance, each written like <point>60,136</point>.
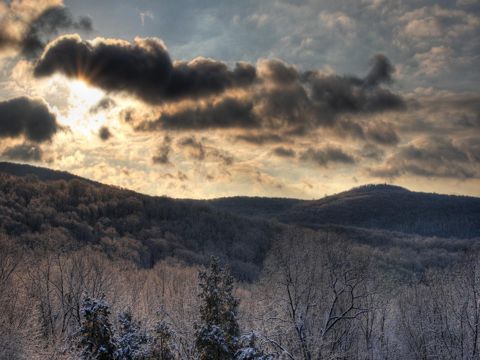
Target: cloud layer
<point>26,26</point>
<point>142,68</point>
<point>27,117</point>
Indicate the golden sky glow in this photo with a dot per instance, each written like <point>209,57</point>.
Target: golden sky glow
<point>289,100</point>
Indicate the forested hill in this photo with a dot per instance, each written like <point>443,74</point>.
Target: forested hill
<point>382,207</point>
<point>70,213</point>
<point>40,172</point>
<point>372,206</point>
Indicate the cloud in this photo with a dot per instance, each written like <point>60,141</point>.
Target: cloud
<point>434,61</point>
<point>26,26</point>
<point>49,23</point>
<point>163,153</point>
<point>433,157</point>
<point>380,72</point>
<point>104,133</point>
<point>289,102</point>
<point>201,152</point>
<point>436,22</point>
<point>326,155</point>
<point>382,133</point>
<point>27,117</point>
<point>142,68</point>
<point>23,152</point>
<point>269,101</point>
<point>225,113</point>
<point>260,139</point>
<point>104,104</point>
<point>284,152</point>
<point>197,148</point>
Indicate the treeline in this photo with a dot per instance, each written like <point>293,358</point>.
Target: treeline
<point>319,296</point>
<point>124,224</point>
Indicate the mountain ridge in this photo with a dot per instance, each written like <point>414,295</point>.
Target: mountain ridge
<point>373,206</point>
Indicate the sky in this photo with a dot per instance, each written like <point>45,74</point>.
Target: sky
<point>205,99</point>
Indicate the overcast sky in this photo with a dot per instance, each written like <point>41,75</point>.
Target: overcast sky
<point>203,99</point>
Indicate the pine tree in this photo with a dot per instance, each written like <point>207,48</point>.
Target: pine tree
<point>217,335</point>
<point>162,348</point>
<point>249,350</point>
<point>133,342</point>
<point>96,336</point>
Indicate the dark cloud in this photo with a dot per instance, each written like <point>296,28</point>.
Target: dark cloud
<point>326,155</point>
<point>382,133</point>
<point>142,68</point>
<point>334,94</point>
<point>226,113</point>
<point>163,153</point>
<point>23,152</point>
<point>294,104</point>
<point>49,23</point>
<point>284,152</point>
<point>31,37</point>
<point>278,72</point>
<point>260,139</point>
<point>372,152</point>
<point>104,104</point>
<point>104,133</point>
<point>433,157</point>
<point>28,117</point>
<point>200,152</point>
<point>277,95</point>
<point>380,72</point>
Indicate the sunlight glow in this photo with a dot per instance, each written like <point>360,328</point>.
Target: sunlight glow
<point>81,99</point>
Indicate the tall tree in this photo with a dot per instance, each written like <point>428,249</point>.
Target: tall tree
<point>217,335</point>
<point>96,335</point>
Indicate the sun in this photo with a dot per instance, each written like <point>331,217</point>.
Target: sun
<point>83,93</point>
<point>81,99</point>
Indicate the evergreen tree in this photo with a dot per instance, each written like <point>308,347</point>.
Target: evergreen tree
<point>217,335</point>
<point>162,348</point>
<point>249,350</point>
<point>96,336</point>
<point>133,342</point>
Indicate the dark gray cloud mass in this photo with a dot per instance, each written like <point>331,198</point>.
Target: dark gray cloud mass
<point>104,133</point>
<point>28,117</point>
<point>434,157</point>
<point>226,113</point>
<point>278,96</point>
<point>260,138</point>
<point>326,155</point>
<point>23,152</point>
<point>50,22</point>
<point>37,32</point>
<point>284,152</point>
<point>142,68</point>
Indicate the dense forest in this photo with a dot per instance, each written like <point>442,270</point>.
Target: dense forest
<point>89,271</point>
<point>371,206</point>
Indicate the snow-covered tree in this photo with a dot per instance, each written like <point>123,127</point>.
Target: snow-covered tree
<point>248,349</point>
<point>162,338</point>
<point>96,335</point>
<point>133,341</point>
<point>217,335</point>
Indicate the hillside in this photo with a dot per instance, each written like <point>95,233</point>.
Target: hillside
<point>384,207</point>
<point>39,172</point>
<point>69,214</point>
<point>58,210</point>
<point>373,206</point>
